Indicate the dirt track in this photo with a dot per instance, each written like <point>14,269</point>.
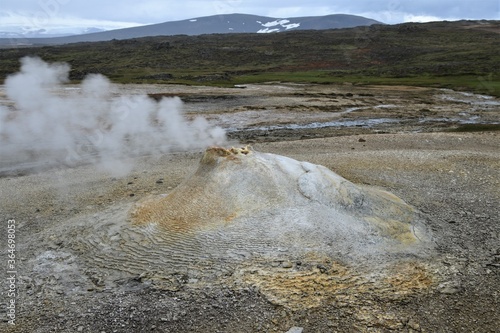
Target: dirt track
<point>452,178</point>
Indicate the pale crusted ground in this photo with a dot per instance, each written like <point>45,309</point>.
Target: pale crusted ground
<point>452,178</point>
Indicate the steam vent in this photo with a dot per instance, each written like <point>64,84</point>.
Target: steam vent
<point>297,232</point>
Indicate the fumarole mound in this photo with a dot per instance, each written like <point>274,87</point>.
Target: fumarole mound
<point>240,199</point>
<point>297,232</point>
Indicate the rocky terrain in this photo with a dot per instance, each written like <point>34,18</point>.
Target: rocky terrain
<point>435,149</point>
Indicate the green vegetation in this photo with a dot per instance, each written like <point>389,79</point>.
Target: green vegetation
<point>460,55</point>
<point>475,128</point>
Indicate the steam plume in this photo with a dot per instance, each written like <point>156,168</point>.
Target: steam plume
<point>90,124</point>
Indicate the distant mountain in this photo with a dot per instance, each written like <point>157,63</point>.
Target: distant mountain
<point>30,34</point>
<point>217,24</point>
<point>23,33</point>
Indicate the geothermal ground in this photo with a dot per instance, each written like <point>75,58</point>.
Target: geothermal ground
<point>437,150</point>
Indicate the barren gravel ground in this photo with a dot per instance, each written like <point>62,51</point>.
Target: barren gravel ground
<point>452,178</point>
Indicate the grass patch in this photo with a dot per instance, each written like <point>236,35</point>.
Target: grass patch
<point>486,84</point>
<point>440,54</point>
<point>475,128</point>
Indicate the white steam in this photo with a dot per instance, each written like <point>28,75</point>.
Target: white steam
<point>90,125</point>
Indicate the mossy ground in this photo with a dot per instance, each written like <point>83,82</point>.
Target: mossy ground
<point>460,55</point>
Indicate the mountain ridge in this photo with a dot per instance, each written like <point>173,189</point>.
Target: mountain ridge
<point>214,24</point>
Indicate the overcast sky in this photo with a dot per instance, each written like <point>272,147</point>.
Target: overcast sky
<point>49,14</point>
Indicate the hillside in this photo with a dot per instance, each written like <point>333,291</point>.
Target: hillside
<point>461,55</point>
<point>216,24</point>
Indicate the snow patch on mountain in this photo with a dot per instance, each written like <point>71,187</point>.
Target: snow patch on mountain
<point>275,23</point>
<point>279,24</point>
<point>267,30</point>
<point>291,26</point>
